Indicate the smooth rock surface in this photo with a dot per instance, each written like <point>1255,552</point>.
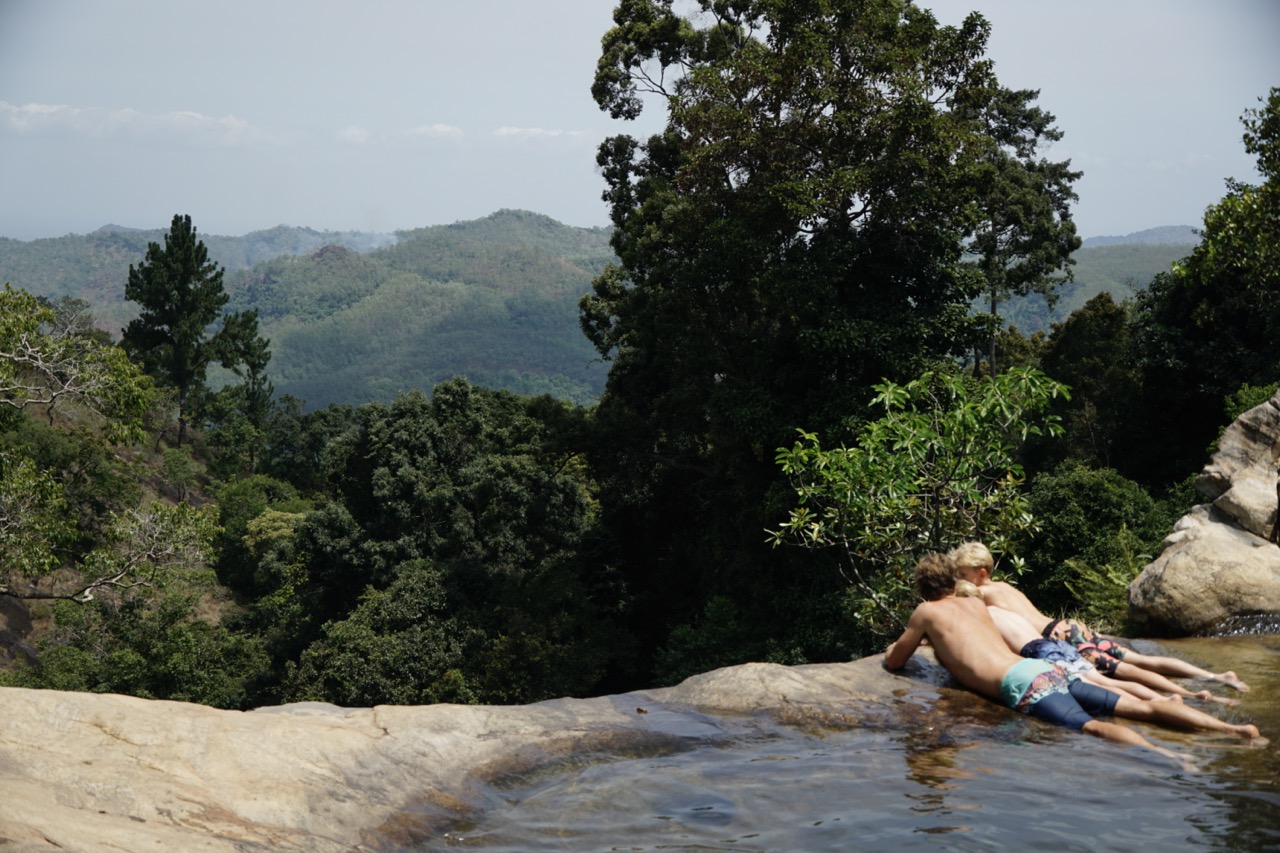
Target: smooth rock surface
<point>103,772</point>
<point>1221,561</point>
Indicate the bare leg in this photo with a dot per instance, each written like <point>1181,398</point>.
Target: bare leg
<point>1182,669</point>
<point>1157,682</point>
<point>1184,717</point>
<point>1116,733</point>
<point>1120,734</point>
<point>1152,680</point>
<point>1131,688</point>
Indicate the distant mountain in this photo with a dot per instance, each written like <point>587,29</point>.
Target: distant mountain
<point>355,317</point>
<point>1165,235</point>
<point>111,228</point>
<point>495,300</point>
<point>1105,265</point>
<point>95,266</point>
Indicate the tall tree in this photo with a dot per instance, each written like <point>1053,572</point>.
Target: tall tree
<point>1091,353</point>
<point>236,416</point>
<point>1024,240</point>
<point>246,354</point>
<point>180,291</point>
<point>793,236</point>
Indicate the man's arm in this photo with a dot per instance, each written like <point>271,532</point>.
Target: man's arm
<point>904,647</point>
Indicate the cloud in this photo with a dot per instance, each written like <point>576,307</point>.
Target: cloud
<point>436,131</point>
<point>356,135</point>
<point>94,122</point>
<point>353,135</point>
<point>524,133</point>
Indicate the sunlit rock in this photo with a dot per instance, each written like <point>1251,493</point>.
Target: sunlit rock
<point>1222,560</point>
<point>82,771</point>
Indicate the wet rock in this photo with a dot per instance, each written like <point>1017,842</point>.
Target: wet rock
<point>93,772</point>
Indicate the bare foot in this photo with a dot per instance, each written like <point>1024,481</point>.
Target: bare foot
<point>1229,678</point>
<point>1206,696</point>
<point>1248,738</point>
<point>1185,761</point>
<point>1250,733</point>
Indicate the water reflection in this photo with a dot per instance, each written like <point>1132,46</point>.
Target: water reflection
<point>963,775</point>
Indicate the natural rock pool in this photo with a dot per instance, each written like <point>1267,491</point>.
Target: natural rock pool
<point>956,774</point>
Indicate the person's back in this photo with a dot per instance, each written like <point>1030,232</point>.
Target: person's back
<point>1009,597</point>
<point>1015,629</point>
<point>967,642</point>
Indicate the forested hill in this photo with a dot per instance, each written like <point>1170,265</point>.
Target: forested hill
<point>357,317</point>
<point>354,317</point>
<point>1166,235</point>
<point>494,300</point>
<point>94,267</point>
<point>1121,266</point>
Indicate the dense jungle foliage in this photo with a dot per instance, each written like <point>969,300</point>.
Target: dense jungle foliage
<point>787,307</point>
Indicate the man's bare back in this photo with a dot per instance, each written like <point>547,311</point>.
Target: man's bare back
<point>965,640</point>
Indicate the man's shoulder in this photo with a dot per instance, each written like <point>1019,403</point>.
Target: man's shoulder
<point>923,609</point>
<point>1000,588</point>
<point>926,611</point>
<point>945,608</point>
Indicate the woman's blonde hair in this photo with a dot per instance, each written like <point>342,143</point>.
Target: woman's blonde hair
<point>973,555</point>
<point>964,589</point>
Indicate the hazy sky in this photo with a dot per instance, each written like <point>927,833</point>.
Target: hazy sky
<point>392,114</point>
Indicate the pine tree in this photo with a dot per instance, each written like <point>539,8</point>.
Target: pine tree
<point>180,291</point>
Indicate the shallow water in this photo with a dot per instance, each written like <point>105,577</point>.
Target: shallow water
<point>966,776</point>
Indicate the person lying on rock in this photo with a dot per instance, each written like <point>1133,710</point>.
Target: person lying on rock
<point>974,563</point>
<point>1021,636</point>
<point>1015,629</point>
<point>967,642</point>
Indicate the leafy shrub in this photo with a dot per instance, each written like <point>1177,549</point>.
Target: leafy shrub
<point>939,467</point>
<point>1093,517</point>
<point>155,650</point>
<point>1102,591</point>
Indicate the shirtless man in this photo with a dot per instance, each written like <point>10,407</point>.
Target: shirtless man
<point>974,563</point>
<point>966,641</point>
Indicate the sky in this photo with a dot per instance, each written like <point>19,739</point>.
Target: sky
<point>385,115</point>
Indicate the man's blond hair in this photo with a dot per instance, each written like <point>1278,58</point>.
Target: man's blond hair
<point>973,555</point>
